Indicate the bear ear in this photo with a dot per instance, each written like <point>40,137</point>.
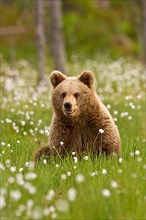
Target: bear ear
<point>57,77</point>
<point>87,77</point>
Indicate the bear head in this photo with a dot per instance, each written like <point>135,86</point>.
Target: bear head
<point>70,94</point>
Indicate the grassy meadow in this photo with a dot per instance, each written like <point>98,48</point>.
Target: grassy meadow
<point>72,188</point>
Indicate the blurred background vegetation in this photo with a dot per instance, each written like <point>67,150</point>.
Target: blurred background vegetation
<point>89,27</point>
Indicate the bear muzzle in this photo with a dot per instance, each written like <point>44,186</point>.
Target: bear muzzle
<point>68,108</point>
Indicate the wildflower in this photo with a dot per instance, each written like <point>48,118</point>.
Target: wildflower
<point>31,165</point>
<point>30,188</point>
<point>46,211</point>
<point>132,154</point>
<point>19,179</point>
<point>11,180</point>
<point>52,208</point>
<point>24,133</point>
<point>139,159</point>
<point>79,178</point>
<point>114,184</point>
<point>50,195</point>
<point>68,173</point>
<point>46,131</point>
<point>2,167</point>
<point>71,194</point>
<point>54,215</point>
<point>120,171</point>
<point>37,213</point>
<point>108,106</point>
<point>12,169</point>
<point>62,205</point>
<point>73,153</point>
<point>94,173</point>
<point>30,176</point>
<point>44,161</point>
<point>115,112</point>
<point>63,176</point>
<point>2,202</point>
<point>75,159</point>
<point>61,143</point>
<point>106,192</point>
<point>134,175</point>
<point>104,171</point>
<point>137,152</point>
<point>21,169</point>
<point>15,195</point>
<point>120,160</point>
<point>23,123</point>
<point>86,158</point>
<point>101,131</point>
<point>27,164</point>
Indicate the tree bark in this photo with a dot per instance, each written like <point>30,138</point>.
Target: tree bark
<point>40,40</point>
<point>58,47</point>
<point>103,3</point>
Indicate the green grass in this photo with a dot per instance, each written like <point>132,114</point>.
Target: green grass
<point>126,201</point>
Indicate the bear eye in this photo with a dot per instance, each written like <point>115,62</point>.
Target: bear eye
<point>63,94</point>
<point>76,95</point>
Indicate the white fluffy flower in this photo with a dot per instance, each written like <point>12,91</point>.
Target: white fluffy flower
<point>104,171</point>
<point>120,160</point>
<point>71,194</point>
<point>15,195</point>
<point>79,178</point>
<point>114,184</point>
<point>101,131</point>
<point>106,192</point>
<point>2,202</point>
<point>137,152</point>
<point>62,205</point>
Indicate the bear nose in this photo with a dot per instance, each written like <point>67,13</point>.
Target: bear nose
<point>68,105</point>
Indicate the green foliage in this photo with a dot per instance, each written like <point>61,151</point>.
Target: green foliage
<point>88,28</point>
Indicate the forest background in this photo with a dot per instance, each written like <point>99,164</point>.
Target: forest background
<point>88,28</point>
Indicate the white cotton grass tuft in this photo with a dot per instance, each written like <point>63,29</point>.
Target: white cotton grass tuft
<point>15,195</point>
<point>2,202</point>
<point>101,131</point>
<point>62,205</point>
<point>137,152</point>
<point>120,160</point>
<point>50,195</point>
<point>30,176</point>
<point>75,159</point>
<point>114,184</point>
<point>79,178</point>
<point>104,171</point>
<point>86,158</point>
<point>106,192</point>
<point>37,213</point>
<point>63,176</point>
<point>45,161</point>
<point>71,194</point>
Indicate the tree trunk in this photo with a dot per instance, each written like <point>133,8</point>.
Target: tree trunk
<point>103,3</point>
<point>40,41</point>
<point>58,47</point>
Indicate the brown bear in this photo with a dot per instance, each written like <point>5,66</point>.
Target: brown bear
<point>80,122</point>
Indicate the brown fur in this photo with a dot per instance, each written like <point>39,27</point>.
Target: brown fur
<point>78,127</point>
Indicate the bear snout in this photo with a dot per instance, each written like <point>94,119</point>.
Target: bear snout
<point>67,105</point>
